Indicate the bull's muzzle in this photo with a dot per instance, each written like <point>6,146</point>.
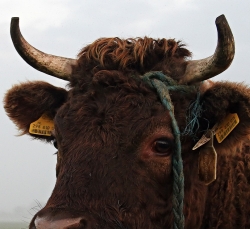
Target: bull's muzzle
<point>54,220</point>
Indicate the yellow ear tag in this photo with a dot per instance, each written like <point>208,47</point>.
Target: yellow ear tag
<point>226,126</point>
<point>43,126</point>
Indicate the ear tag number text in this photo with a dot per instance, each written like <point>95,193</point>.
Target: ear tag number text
<point>43,126</point>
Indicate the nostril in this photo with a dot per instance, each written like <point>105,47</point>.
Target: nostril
<point>65,223</point>
<point>82,224</point>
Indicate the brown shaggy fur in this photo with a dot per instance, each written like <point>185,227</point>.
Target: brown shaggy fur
<point>108,172</point>
<point>131,56</point>
<point>25,102</point>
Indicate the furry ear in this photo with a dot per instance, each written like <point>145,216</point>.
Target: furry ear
<point>223,98</point>
<point>26,102</point>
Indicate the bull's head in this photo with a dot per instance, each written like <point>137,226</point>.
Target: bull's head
<point>114,137</point>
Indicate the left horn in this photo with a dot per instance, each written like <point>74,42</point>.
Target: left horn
<point>57,66</point>
<point>199,70</point>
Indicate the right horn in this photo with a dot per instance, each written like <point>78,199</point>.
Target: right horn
<point>199,70</point>
<point>57,66</point>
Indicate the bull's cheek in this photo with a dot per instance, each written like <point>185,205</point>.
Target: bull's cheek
<point>162,169</point>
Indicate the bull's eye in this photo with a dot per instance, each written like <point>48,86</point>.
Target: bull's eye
<point>55,143</point>
<point>162,147</point>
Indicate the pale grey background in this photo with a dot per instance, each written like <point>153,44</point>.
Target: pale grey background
<point>62,27</point>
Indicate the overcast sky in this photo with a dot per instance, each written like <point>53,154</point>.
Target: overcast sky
<point>63,27</point>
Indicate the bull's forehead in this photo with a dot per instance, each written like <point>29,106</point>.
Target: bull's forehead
<point>108,114</point>
<point>117,102</point>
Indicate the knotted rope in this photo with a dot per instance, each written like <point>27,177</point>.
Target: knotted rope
<point>163,85</point>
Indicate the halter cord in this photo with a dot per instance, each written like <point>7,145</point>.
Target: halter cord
<point>163,85</point>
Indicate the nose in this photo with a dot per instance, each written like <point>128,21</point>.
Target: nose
<point>47,223</point>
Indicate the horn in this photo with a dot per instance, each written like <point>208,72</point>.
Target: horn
<point>199,70</point>
<point>57,66</point>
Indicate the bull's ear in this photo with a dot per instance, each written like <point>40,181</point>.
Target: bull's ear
<point>27,102</point>
<point>224,98</point>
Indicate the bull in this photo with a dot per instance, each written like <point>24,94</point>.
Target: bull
<point>131,107</point>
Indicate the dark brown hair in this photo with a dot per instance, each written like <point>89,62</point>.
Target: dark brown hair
<point>132,56</point>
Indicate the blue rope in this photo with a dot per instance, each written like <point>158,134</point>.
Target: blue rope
<point>194,113</point>
<point>163,85</point>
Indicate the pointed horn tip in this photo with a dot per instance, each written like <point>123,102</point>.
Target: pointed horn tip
<point>15,19</point>
<point>14,22</point>
<point>220,19</point>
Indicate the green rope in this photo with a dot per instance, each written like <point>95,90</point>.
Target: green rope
<point>193,116</point>
<point>163,85</point>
